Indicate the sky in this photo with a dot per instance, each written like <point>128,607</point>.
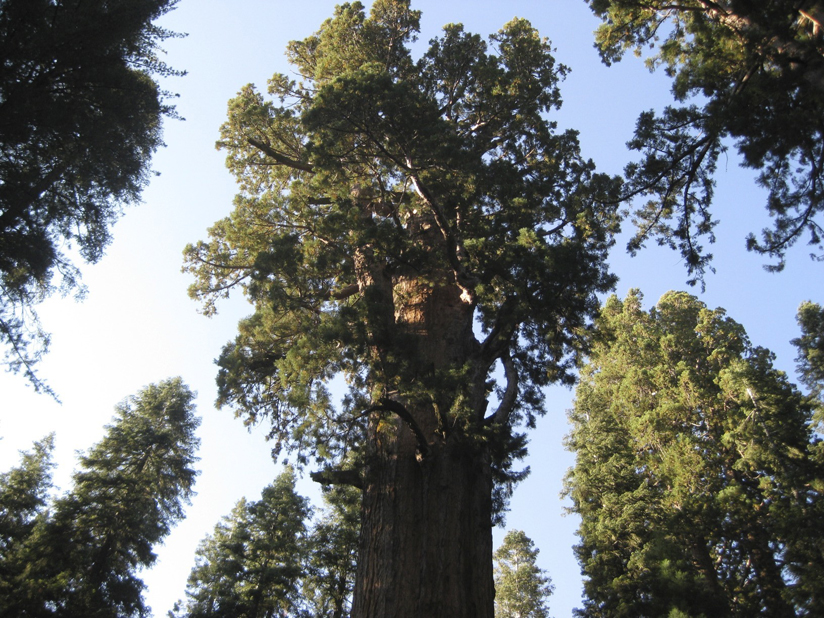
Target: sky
<point>137,326</point>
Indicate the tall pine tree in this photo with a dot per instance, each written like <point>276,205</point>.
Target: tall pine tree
<point>81,556</point>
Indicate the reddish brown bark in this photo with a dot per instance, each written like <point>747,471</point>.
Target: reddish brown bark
<point>426,544</point>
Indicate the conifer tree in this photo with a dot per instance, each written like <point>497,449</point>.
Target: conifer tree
<point>24,498</point>
<point>81,556</point>
<point>811,348</point>
<point>331,554</point>
<point>409,225</point>
<point>253,563</point>
<point>521,587</point>
<point>696,477</point>
<point>262,561</point>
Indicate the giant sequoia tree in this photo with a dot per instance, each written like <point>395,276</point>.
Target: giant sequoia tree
<point>80,117</point>
<point>750,73</point>
<point>698,477</point>
<point>409,225</point>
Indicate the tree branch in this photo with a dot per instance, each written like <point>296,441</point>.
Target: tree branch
<point>343,293</point>
<point>280,158</point>
<point>454,248</point>
<point>501,332</point>
<point>501,415</point>
<point>390,405</point>
<point>331,476</point>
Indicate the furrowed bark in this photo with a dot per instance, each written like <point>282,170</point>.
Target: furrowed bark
<point>426,540</point>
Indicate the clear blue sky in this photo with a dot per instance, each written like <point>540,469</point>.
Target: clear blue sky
<point>138,326</point>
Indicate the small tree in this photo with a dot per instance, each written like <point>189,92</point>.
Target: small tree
<point>521,588</point>
<point>215,583</point>
<point>261,561</point>
<point>253,563</point>
<point>80,557</point>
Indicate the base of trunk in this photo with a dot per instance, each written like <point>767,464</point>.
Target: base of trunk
<point>426,540</point>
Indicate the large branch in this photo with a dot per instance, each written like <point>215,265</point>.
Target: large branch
<point>279,157</point>
<point>501,415</point>
<point>343,293</point>
<point>454,248</point>
<point>390,405</point>
<point>330,476</point>
<point>502,331</point>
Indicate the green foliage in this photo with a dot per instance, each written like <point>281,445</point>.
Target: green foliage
<point>695,473</point>
<point>331,555</point>
<point>250,566</point>
<point>80,556</point>
<point>80,117</point>
<point>23,501</point>
<point>811,347</point>
<point>377,187</point>
<point>747,72</point>
<point>260,560</point>
<point>521,588</point>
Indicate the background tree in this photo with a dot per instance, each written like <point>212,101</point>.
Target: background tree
<point>24,494</point>
<point>695,474</point>
<point>521,587</point>
<point>80,116</point>
<point>252,565</point>
<point>390,207</point>
<point>811,347</point>
<point>747,72</point>
<point>214,586</point>
<point>81,556</point>
<point>261,561</point>
<point>331,555</point>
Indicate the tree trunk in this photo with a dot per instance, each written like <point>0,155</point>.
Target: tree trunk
<point>426,536</point>
<point>703,562</point>
<point>426,540</point>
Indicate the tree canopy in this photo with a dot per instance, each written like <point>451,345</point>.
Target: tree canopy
<point>80,117</point>
<point>698,475</point>
<point>379,175</point>
<point>78,554</point>
<point>748,73</point>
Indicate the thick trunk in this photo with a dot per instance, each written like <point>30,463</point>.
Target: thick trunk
<point>426,539</point>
